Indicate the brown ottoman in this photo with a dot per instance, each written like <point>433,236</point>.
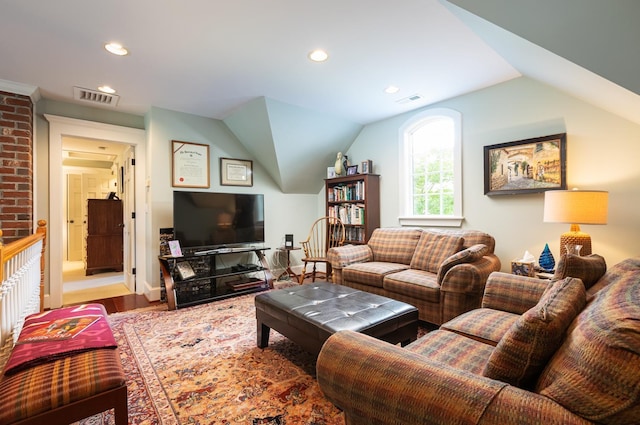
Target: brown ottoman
<point>308,314</point>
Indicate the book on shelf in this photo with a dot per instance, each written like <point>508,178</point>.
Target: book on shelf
<point>185,270</point>
<point>347,192</point>
<point>348,213</point>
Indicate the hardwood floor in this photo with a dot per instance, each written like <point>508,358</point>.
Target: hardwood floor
<point>124,303</point>
<point>134,301</point>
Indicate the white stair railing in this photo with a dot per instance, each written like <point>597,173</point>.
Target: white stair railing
<point>21,287</point>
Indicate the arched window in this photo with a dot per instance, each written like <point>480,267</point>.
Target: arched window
<point>431,169</point>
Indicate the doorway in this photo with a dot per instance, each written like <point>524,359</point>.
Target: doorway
<point>59,129</point>
<point>95,169</point>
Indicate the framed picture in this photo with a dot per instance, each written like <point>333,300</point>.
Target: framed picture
<point>174,248</point>
<point>352,170</point>
<point>190,164</point>
<point>526,166</point>
<point>331,172</point>
<point>236,172</point>
<point>366,166</point>
<point>185,270</point>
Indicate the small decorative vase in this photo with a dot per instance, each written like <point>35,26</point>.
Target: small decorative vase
<point>546,260</point>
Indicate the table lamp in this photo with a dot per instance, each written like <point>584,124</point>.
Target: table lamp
<point>576,207</point>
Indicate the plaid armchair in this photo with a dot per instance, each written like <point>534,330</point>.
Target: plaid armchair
<point>536,351</point>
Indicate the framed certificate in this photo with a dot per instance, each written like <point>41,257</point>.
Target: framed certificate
<point>236,172</point>
<point>190,164</point>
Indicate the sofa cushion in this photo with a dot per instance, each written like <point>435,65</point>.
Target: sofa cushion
<point>595,372</point>
<point>433,249</point>
<point>467,255</point>
<point>472,237</point>
<point>589,268</point>
<point>483,324</point>
<point>416,284</point>
<point>452,349</point>
<point>394,245</point>
<point>524,350</point>
<point>371,273</point>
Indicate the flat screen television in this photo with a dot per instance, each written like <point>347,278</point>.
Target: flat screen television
<point>211,219</point>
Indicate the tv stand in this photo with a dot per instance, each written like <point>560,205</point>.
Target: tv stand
<point>195,279</point>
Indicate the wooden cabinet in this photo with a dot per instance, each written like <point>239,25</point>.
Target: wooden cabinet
<point>104,235</point>
<point>356,201</point>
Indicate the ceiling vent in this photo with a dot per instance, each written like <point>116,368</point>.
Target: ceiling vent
<point>408,99</point>
<point>95,97</point>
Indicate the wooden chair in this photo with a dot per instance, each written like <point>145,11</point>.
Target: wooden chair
<point>325,233</point>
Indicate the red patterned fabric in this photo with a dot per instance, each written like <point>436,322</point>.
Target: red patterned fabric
<point>56,333</point>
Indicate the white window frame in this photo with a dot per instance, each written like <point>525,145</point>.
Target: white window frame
<point>406,217</point>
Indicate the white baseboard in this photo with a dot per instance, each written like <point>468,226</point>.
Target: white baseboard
<point>152,294</point>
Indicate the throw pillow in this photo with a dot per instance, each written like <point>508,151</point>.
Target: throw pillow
<point>589,268</point>
<point>527,346</point>
<point>468,255</point>
<point>433,249</point>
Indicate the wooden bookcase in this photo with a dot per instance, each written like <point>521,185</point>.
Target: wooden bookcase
<point>356,201</point>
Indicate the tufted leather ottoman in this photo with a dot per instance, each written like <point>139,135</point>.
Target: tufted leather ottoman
<point>308,314</point>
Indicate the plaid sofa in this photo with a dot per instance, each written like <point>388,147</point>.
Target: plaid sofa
<point>442,273</point>
<point>563,351</point>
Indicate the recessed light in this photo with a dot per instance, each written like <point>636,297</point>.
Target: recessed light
<point>392,89</point>
<point>318,55</point>
<point>106,89</point>
<point>116,49</point>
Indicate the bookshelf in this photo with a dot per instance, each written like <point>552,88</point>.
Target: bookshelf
<point>356,201</point>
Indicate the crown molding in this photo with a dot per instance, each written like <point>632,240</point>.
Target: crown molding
<point>18,88</point>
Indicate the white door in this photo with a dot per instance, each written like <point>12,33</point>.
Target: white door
<point>97,185</point>
<point>127,194</point>
<point>74,217</point>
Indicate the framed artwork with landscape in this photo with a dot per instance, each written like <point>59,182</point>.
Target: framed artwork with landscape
<point>526,166</point>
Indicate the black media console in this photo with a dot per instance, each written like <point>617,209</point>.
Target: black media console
<point>194,278</point>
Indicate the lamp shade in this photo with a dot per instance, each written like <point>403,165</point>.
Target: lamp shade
<point>576,206</point>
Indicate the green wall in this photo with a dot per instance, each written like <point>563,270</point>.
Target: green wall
<point>600,151</point>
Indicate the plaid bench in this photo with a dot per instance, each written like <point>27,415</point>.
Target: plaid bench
<point>66,387</point>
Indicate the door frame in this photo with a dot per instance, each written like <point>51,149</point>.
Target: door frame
<point>63,126</point>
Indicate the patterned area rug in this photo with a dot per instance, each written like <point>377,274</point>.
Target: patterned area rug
<point>201,365</point>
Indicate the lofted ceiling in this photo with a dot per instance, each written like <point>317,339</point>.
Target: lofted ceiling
<point>245,62</point>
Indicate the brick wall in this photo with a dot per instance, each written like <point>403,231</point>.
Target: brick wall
<point>16,169</point>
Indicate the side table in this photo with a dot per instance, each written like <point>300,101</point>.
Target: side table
<point>288,272</point>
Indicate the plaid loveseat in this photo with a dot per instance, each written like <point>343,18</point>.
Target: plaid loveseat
<point>565,351</point>
<point>442,273</point>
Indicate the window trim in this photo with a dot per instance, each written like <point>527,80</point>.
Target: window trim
<point>406,219</point>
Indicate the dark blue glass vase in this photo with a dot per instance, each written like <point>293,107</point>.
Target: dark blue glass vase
<point>546,261</point>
